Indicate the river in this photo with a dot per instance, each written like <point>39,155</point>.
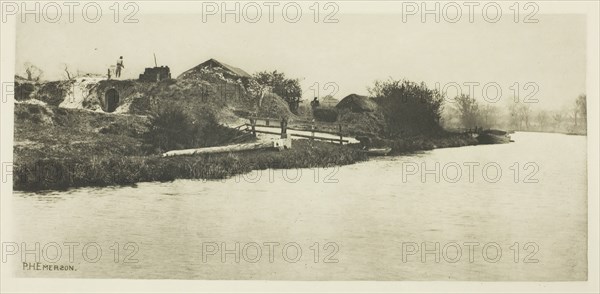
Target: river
<point>522,217</point>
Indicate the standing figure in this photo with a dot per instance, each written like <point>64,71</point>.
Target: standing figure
<point>315,103</point>
<point>120,65</point>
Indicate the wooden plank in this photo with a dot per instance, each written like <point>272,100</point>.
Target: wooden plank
<point>304,136</point>
<point>268,132</point>
<point>220,149</point>
<point>268,126</point>
<point>319,138</point>
<point>316,130</point>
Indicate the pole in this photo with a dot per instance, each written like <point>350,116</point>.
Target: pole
<point>155,64</point>
<point>283,128</point>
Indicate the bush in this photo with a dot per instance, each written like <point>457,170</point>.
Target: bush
<point>172,128</point>
<point>410,109</point>
<point>325,114</point>
<point>23,91</point>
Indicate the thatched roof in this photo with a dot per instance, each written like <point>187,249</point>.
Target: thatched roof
<point>211,63</point>
<point>329,101</point>
<point>357,103</point>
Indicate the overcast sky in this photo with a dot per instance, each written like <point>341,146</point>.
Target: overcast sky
<point>352,53</point>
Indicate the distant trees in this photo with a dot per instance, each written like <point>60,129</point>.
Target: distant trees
<point>519,116</point>
<point>557,119</point>
<point>408,107</point>
<point>467,112</point>
<point>581,106</point>
<point>468,109</point>
<point>542,120</point>
<point>472,114</point>
<point>276,82</point>
<point>488,117</point>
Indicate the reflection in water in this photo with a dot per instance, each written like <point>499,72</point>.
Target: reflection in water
<point>369,217</point>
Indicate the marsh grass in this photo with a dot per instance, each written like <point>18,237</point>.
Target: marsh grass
<point>100,171</point>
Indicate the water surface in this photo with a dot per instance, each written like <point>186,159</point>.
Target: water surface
<point>366,221</point>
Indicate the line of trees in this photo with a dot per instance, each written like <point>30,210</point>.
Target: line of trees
<point>466,112</point>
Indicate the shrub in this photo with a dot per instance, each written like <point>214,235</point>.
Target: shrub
<point>409,108</point>
<point>325,114</point>
<point>173,128</point>
<point>170,129</point>
<point>23,91</point>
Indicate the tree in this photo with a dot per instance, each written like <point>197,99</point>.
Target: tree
<point>581,106</point>
<point>276,82</point>
<point>33,72</point>
<point>524,115</point>
<point>519,115</point>
<point>557,117</point>
<point>542,119</point>
<point>409,108</point>
<point>514,119</point>
<point>68,73</point>
<point>488,116</point>
<point>468,109</point>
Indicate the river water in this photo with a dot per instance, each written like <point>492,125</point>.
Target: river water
<point>522,217</point>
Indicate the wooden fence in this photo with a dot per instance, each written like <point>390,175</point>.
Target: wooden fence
<point>283,126</point>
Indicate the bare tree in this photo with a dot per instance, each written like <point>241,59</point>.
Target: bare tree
<point>488,116</point>
<point>524,115</point>
<point>33,72</point>
<point>581,106</point>
<point>514,119</point>
<point>542,119</point>
<point>468,109</point>
<point>557,117</point>
<point>69,76</point>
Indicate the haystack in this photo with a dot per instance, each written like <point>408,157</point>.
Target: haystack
<point>357,103</point>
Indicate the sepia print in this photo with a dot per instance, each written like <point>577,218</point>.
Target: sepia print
<point>299,141</point>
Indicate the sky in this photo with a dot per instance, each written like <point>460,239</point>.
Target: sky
<point>352,53</point>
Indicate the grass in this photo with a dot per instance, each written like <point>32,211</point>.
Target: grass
<point>408,145</point>
<point>58,149</point>
<point>98,171</point>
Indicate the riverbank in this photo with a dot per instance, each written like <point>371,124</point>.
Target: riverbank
<point>113,170</point>
<point>58,149</point>
<point>101,171</point>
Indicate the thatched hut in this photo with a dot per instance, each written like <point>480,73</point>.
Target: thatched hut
<point>357,103</point>
<point>213,65</point>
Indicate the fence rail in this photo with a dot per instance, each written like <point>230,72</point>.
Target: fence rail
<point>283,126</point>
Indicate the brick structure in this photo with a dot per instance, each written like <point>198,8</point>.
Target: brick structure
<point>155,74</point>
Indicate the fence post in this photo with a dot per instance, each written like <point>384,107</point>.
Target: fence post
<point>340,132</point>
<point>253,123</point>
<point>312,131</point>
<point>267,122</point>
<point>283,128</point>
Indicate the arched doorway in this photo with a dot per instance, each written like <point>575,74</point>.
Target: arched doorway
<point>112,100</point>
